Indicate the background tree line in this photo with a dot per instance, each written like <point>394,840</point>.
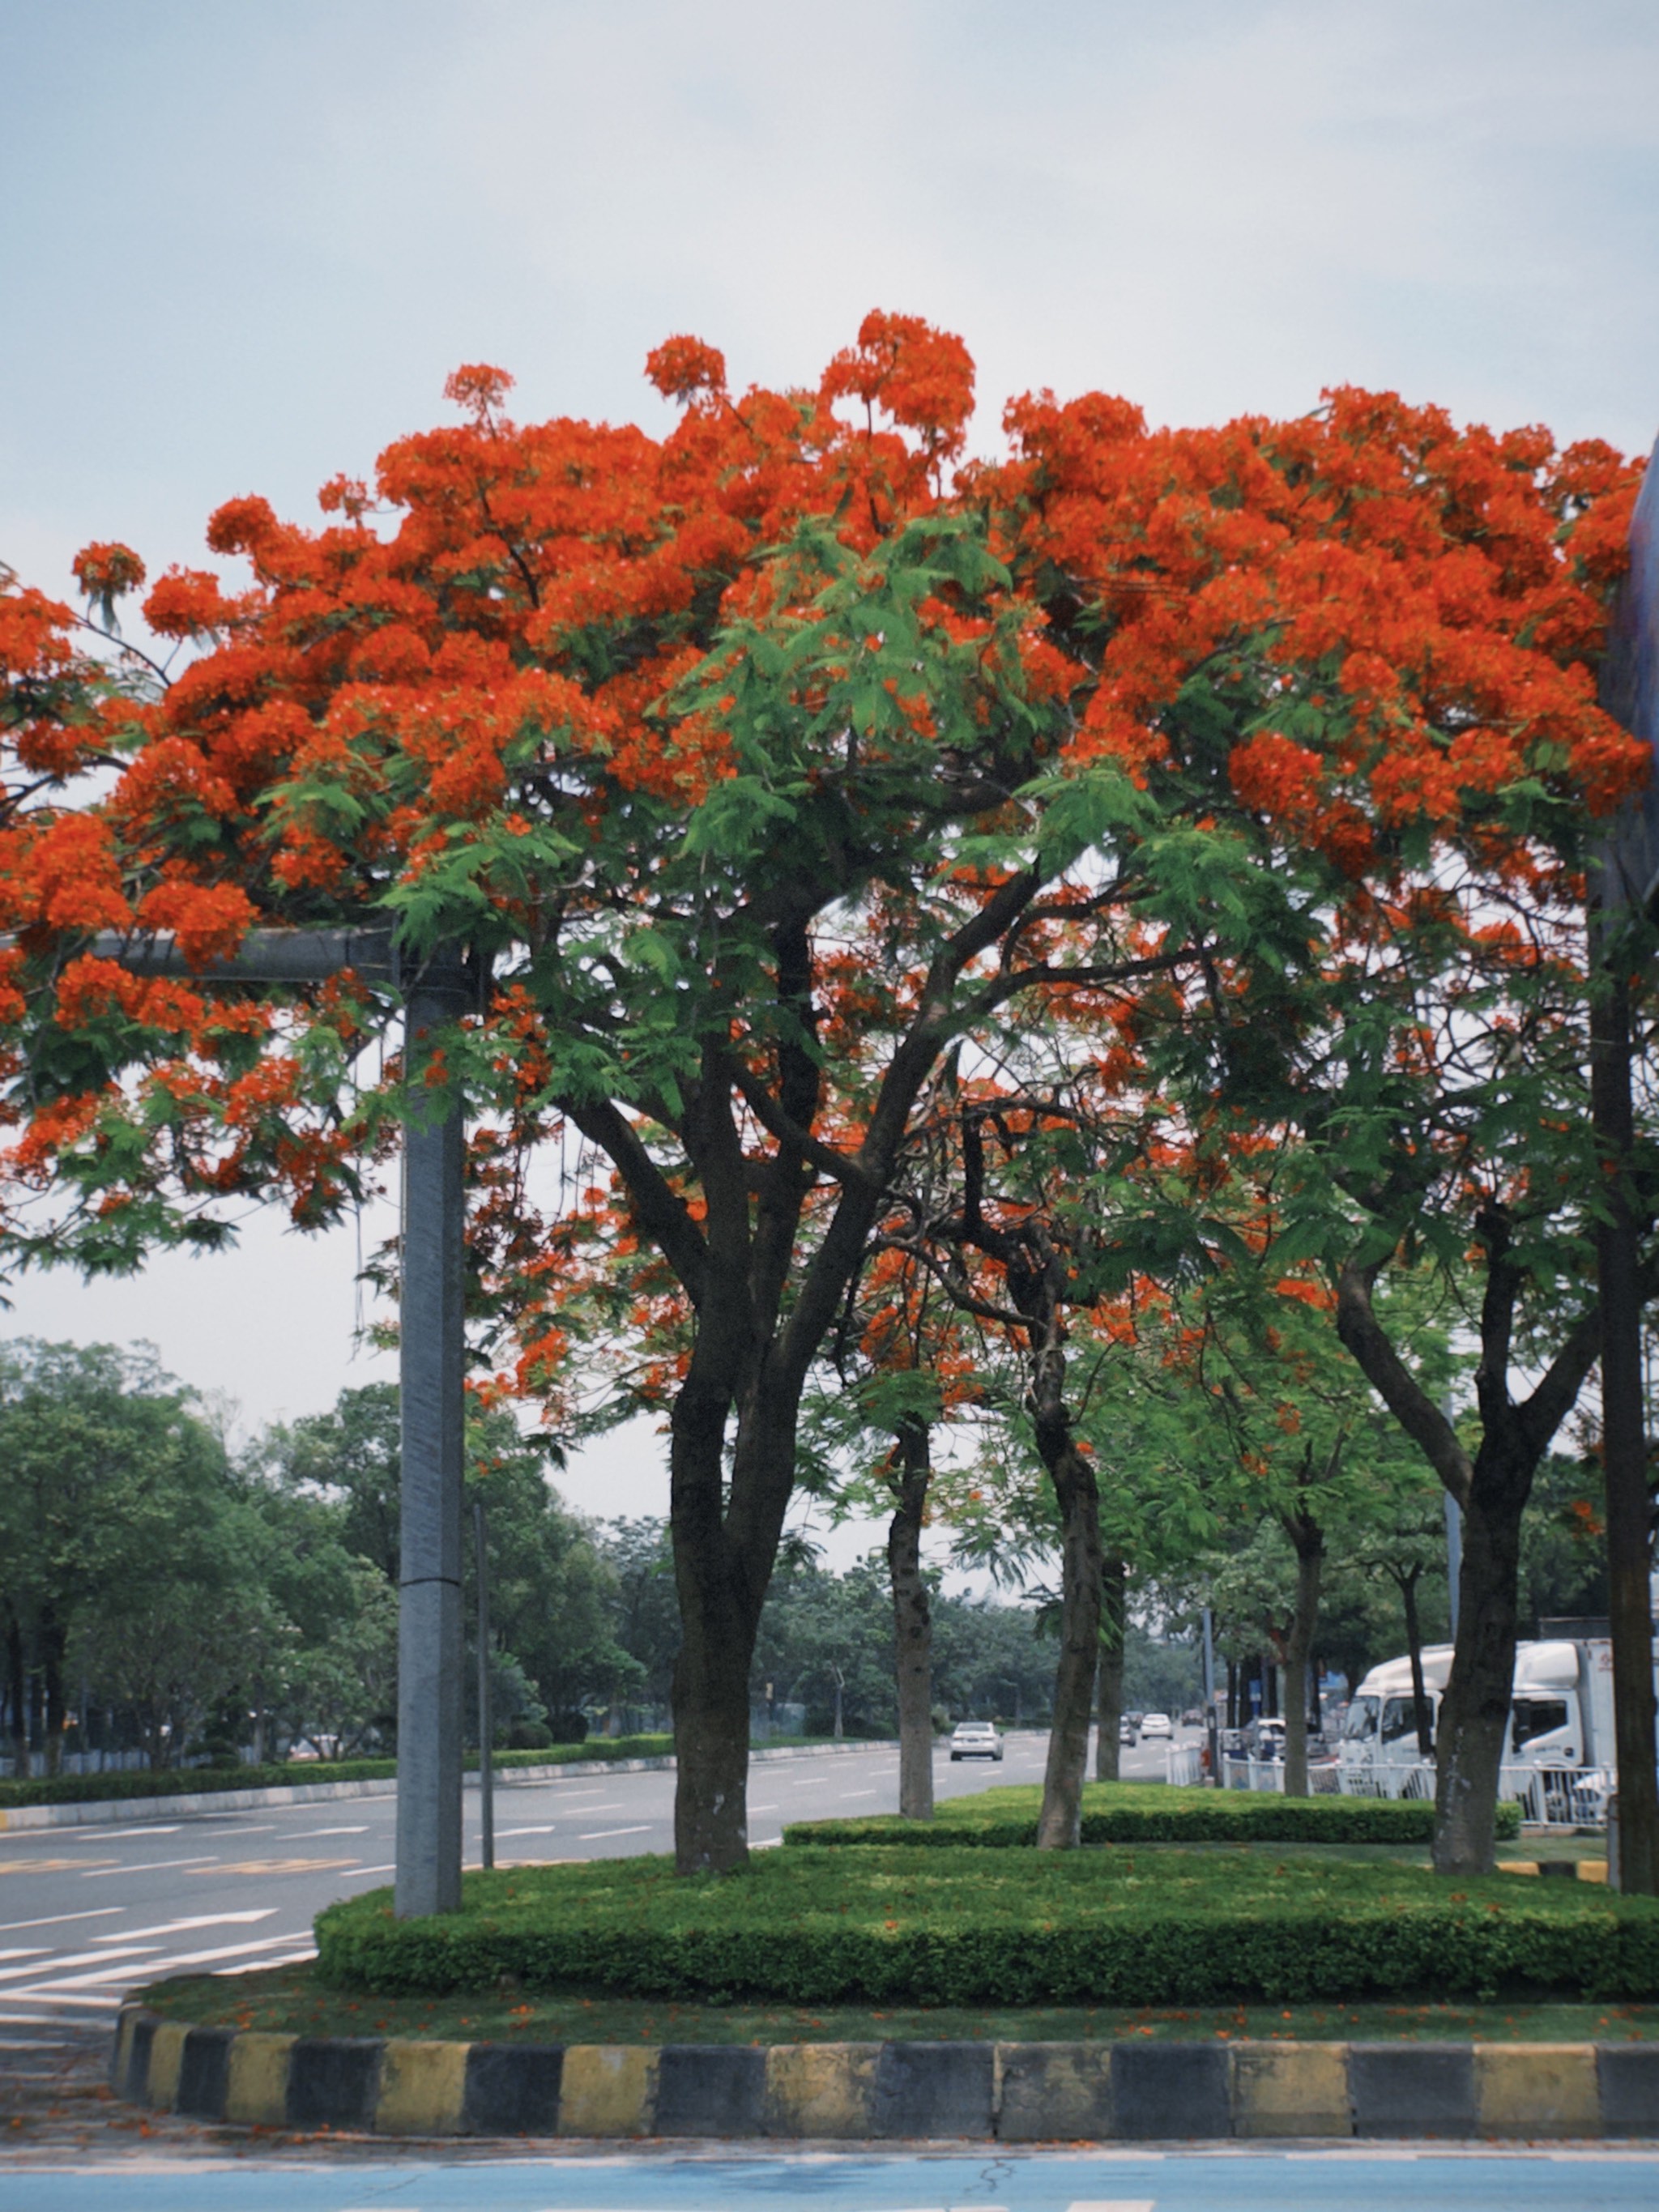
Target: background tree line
<point>165,1592</point>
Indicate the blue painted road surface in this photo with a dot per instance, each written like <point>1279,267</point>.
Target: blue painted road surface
<point>1403,2180</point>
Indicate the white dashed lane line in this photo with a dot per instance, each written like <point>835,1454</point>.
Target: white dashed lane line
<point>195,1920</point>
<point>56,1919</point>
<point>600,1835</point>
<point>149,1866</point>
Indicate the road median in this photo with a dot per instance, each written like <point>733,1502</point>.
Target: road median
<point>889,2091</point>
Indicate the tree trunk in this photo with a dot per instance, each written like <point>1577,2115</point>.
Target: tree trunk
<point>913,1626</point>
<point>1493,1493</point>
<point>719,1619</point>
<point>1309,1539</point>
<point>17,1698</point>
<point>1059,1825</point>
<point>1624,1440</point>
<point>1414,1650</point>
<point>1108,1693</point>
<point>53,1638</point>
<point>1475,1710</point>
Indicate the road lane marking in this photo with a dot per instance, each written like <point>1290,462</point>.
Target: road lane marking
<point>303,1835</point>
<point>1112,2204</point>
<point>101,1835</point>
<point>855,1793</point>
<point>54,1919</point>
<point>40,1951</point>
<point>763,1808</point>
<point>151,1866</point>
<point>600,1834</point>
<point>548,1831</point>
<point>196,1920</point>
<point>283,1866</point>
<point>358,1873</point>
<point>44,1866</point>
<point>75,1958</point>
<point>153,1966</point>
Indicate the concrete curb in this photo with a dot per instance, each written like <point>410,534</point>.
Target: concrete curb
<point>97,1811</point>
<point>870,2091</point>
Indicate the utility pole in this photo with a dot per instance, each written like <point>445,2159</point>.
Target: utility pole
<point>431,1644</point>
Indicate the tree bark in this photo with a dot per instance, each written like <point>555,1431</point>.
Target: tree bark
<point>1407,1587</point>
<point>1059,1824</point>
<point>1624,1438</point>
<point>1309,1539</point>
<point>1109,1693</point>
<point>719,1615</point>
<point>17,1697</point>
<point>913,1626</point>
<point>52,1639</point>
<point>1475,1710</point>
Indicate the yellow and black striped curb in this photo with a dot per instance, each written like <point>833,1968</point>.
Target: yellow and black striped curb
<point>861,2091</point>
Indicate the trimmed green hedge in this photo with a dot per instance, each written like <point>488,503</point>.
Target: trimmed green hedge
<point>1151,1812</point>
<point>944,1927</point>
<point>182,1780</point>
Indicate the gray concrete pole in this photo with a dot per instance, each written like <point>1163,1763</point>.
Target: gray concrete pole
<point>486,1710</point>
<point>432,1368</point>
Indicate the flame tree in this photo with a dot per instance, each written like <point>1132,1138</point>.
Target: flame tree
<point>754,765</point>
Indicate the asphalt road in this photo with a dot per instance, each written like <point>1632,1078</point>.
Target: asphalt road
<point>1227,2180</point>
<point>85,1913</point>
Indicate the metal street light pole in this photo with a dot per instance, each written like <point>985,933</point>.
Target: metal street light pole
<point>431,1358</point>
<point>431,1373</point>
<point>486,1709</point>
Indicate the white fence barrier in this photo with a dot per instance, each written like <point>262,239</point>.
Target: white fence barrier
<point>1549,1797</point>
<point>1182,1763</point>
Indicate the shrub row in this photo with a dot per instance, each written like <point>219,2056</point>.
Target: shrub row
<point>180,1781</point>
<point>1151,1812</point>
<point>938,1928</point>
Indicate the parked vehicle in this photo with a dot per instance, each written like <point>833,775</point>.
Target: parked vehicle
<point>1268,1739</point>
<point>1125,1732</point>
<point>1156,1724</point>
<point>1560,1709</point>
<point>975,1740</point>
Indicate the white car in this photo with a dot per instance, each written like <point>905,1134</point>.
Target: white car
<point>975,1740</point>
<point>1156,1724</point>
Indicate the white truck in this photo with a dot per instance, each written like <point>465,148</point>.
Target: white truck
<point>1560,1743</point>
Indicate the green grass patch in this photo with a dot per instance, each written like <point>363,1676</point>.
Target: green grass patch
<point>301,1773</point>
<point>879,1927</point>
<point>292,2001</point>
<point>1150,1813</point>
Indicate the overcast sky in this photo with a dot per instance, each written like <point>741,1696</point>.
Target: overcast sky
<point>241,247</point>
